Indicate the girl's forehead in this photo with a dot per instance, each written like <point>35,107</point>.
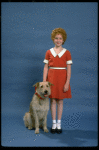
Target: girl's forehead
<point>58,35</point>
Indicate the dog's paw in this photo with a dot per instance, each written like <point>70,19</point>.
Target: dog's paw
<point>46,130</point>
<point>30,128</point>
<point>36,131</point>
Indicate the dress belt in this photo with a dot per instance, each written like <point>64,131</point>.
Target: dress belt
<point>57,67</point>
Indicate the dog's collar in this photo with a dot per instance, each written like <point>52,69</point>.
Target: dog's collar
<point>38,94</point>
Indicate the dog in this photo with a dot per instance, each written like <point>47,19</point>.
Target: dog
<point>39,106</point>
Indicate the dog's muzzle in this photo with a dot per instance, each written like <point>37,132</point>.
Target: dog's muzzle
<point>45,92</point>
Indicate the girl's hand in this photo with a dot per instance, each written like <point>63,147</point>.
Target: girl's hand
<point>66,87</point>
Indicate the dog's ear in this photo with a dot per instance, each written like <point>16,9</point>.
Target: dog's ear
<point>50,84</point>
<point>36,85</point>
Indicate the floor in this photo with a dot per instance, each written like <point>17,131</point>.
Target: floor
<point>79,124</point>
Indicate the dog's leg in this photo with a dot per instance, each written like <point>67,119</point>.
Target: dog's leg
<point>40,123</point>
<point>33,121</point>
<point>36,122</point>
<point>45,122</point>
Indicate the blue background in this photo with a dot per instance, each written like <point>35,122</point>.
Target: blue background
<point>25,37</point>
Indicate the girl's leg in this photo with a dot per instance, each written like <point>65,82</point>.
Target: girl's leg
<point>59,108</point>
<point>59,113</point>
<point>53,108</point>
<point>53,112</point>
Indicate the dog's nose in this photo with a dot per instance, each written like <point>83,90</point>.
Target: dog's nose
<point>46,92</point>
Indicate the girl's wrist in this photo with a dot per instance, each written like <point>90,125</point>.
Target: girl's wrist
<point>67,82</point>
<point>44,80</point>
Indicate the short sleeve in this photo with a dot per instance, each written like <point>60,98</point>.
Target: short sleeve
<point>46,60</point>
<point>69,59</point>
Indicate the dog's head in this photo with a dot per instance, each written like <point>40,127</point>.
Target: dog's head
<point>43,88</point>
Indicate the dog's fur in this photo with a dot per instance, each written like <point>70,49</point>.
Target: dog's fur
<point>38,108</point>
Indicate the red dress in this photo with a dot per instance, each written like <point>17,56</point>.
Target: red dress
<point>58,77</point>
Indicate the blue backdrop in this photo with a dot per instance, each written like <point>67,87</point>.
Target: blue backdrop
<point>25,37</point>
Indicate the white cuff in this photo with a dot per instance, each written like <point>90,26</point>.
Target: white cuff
<point>45,61</point>
<point>69,62</point>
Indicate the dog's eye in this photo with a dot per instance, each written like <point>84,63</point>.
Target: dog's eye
<point>47,86</point>
<point>41,86</point>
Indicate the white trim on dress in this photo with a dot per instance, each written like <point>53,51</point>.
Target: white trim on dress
<point>46,61</point>
<point>69,62</point>
<point>60,54</point>
<point>57,68</point>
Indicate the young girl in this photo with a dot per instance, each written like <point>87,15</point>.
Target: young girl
<point>57,60</point>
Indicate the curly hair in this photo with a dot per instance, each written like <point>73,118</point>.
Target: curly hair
<point>59,31</point>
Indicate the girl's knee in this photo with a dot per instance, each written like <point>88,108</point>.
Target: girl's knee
<point>53,101</point>
<point>60,102</point>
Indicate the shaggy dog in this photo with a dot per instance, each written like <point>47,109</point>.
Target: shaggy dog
<point>39,106</point>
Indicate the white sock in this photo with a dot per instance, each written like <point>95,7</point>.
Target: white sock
<point>53,124</point>
<point>58,124</point>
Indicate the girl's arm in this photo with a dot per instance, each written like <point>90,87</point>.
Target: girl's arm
<point>45,72</point>
<point>68,73</point>
<point>66,86</point>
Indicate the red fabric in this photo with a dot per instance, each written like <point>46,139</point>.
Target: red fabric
<point>58,77</point>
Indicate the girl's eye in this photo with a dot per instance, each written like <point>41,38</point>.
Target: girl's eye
<point>59,38</point>
<point>42,86</point>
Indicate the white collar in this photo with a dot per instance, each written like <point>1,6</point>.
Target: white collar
<point>60,54</point>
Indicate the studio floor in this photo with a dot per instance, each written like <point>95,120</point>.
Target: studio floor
<point>79,124</point>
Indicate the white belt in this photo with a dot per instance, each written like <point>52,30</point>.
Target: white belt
<point>57,68</point>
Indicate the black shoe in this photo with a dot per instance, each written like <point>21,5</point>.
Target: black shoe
<point>53,131</point>
<point>59,131</point>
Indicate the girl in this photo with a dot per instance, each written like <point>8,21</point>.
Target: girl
<point>56,60</point>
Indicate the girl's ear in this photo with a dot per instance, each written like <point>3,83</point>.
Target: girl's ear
<point>36,85</point>
<point>50,84</point>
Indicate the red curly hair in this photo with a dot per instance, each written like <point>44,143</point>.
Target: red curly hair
<point>59,31</point>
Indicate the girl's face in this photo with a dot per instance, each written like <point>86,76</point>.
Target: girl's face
<point>58,40</point>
